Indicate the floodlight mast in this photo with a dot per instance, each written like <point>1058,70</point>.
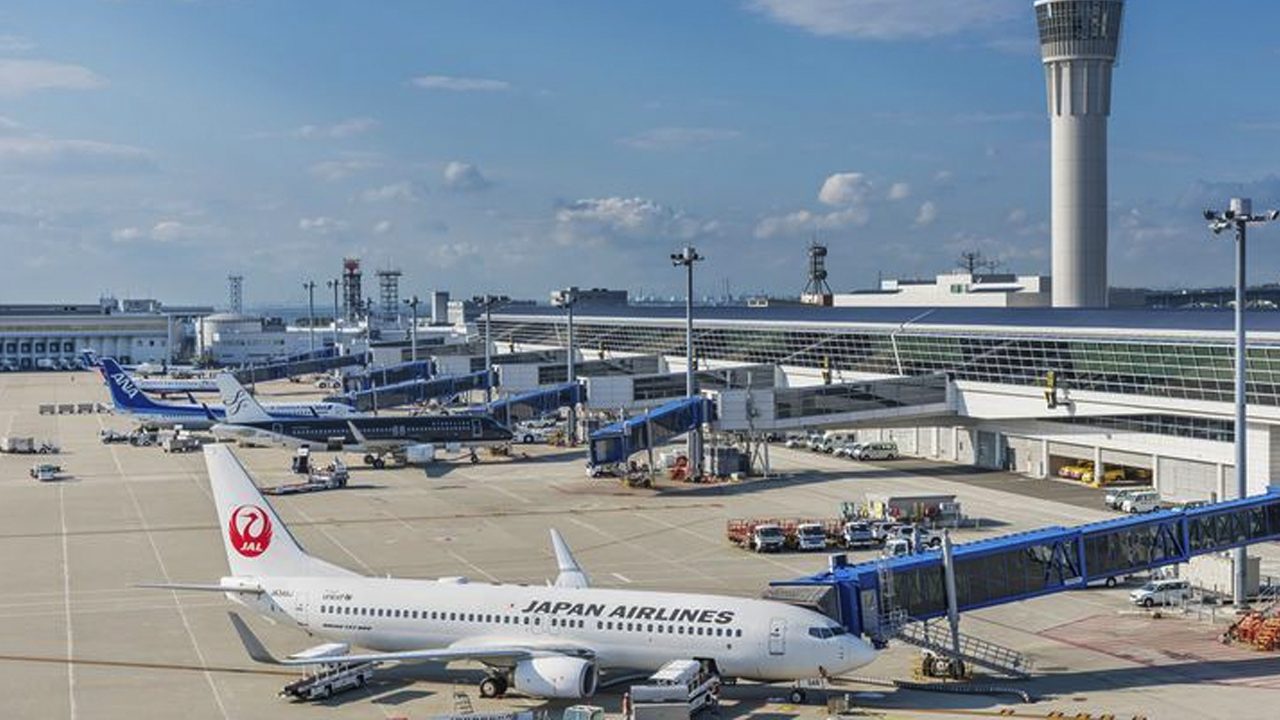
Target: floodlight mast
<point>1239,215</point>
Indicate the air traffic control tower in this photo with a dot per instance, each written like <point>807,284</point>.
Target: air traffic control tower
<point>1078,42</point>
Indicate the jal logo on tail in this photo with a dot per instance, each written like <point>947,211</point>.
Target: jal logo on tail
<point>125,383</point>
<point>250,530</point>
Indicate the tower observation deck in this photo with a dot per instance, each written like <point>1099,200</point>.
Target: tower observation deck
<point>1079,40</point>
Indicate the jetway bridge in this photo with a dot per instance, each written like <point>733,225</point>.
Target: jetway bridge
<point>769,410</point>
<point>411,391</point>
<point>890,598</point>
<point>372,377</point>
<point>281,370</point>
<point>535,403</point>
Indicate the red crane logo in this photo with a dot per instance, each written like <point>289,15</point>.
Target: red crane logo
<point>250,530</point>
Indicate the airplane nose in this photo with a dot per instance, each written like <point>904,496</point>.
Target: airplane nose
<point>857,652</point>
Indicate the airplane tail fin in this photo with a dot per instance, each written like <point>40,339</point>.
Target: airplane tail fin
<point>241,407</point>
<point>90,358</point>
<point>125,393</point>
<point>256,540</point>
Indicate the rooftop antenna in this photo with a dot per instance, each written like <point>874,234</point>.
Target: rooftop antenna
<point>974,263</point>
<point>235,293</point>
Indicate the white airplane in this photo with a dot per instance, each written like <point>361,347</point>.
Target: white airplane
<point>548,642</point>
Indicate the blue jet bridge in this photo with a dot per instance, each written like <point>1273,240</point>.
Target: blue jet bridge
<point>411,391</point>
<point>298,366</point>
<point>373,377</point>
<point>615,443</point>
<point>865,597</point>
<point>535,403</point>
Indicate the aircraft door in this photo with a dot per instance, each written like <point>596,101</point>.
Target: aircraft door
<point>277,428</point>
<point>777,636</point>
<point>297,608</point>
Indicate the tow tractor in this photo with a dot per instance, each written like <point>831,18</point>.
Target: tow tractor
<point>329,678</point>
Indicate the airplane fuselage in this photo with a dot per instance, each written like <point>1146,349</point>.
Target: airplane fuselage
<point>377,432</point>
<point>753,639</point>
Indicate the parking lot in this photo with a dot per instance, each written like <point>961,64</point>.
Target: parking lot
<point>78,640</point>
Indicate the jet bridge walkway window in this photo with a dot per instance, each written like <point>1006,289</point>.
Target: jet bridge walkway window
<point>1139,546</point>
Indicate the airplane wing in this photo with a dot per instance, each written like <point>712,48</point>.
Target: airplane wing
<point>571,573</point>
<point>482,652</point>
<point>204,587</point>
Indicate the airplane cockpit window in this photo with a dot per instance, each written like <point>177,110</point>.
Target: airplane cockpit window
<point>820,632</point>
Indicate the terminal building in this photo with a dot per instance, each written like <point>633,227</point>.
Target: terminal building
<point>48,336</point>
<point>1029,390</point>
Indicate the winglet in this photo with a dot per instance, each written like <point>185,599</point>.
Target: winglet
<point>257,651</point>
<point>571,573</point>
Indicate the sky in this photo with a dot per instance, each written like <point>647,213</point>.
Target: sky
<point>149,148</point>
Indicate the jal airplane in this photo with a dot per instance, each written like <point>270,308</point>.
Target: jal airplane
<point>548,642</point>
<point>129,399</point>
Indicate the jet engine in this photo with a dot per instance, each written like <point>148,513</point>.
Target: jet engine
<point>555,677</point>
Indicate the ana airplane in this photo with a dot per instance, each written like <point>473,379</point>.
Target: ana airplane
<point>540,641</point>
<point>128,398</point>
<point>249,422</point>
<point>164,387</point>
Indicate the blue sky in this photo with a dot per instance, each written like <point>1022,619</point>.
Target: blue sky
<point>151,147</point>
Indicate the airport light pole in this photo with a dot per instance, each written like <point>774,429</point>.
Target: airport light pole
<point>566,299</point>
<point>412,302</point>
<point>336,284</point>
<point>487,302</point>
<point>1238,216</point>
<point>687,257</point>
<point>310,287</point>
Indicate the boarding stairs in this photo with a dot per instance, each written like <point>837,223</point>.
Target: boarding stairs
<point>896,624</point>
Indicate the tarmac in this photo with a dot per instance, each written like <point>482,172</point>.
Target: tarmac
<point>79,640</point>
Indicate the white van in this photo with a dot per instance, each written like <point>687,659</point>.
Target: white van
<point>1143,502</point>
<point>1161,592</point>
<point>877,451</point>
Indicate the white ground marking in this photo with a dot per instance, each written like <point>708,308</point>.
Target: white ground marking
<point>182,613</point>
<point>621,577</point>
<point>318,526</point>
<point>66,604</point>
<point>641,546</point>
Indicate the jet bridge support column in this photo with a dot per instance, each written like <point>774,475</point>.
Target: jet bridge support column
<point>953,608</point>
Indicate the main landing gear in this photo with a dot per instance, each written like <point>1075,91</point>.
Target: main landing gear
<point>377,462</point>
<point>493,686</point>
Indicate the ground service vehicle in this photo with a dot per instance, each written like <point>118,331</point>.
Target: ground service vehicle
<point>45,472</point>
<point>1143,502</point>
<point>1161,592</point>
<point>679,689</point>
<point>1115,497</point>
<point>810,536</point>
<point>757,535</point>
<point>877,451</point>
<point>858,534</point>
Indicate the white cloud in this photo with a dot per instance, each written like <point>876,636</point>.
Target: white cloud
<point>888,19</point>
<point>598,220</point>
<point>899,191</point>
<point>19,77</point>
<point>927,215</point>
<point>459,84</point>
<point>382,227</point>
<point>676,138</point>
<point>803,222</point>
<point>395,192</point>
<point>339,130</point>
<point>842,189</point>
<point>334,170</point>
<point>321,225</point>
<point>15,44</point>
<point>1017,216</point>
<point>164,231</point>
<point>31,153</point>
<point>464,177</point>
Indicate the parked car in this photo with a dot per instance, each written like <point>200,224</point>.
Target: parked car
<point>1161,592</point>
<point>877,451</point>
<point>847,449</point>
<point>795,442</point>
<point>1143,502</point>
<point>1115,497</point>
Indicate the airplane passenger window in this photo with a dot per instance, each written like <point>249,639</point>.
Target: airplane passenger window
<point>650,628</point>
